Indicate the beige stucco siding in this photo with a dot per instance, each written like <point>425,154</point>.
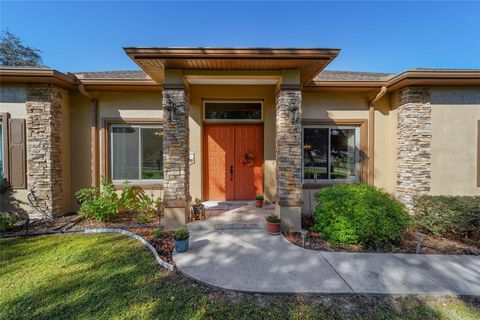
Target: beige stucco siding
<point>199,93</point>
<point>65,152</point>
<point>455,114</point>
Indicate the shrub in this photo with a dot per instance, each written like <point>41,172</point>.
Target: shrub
<point>158,233</point>
<point>98,204</point>
<point>448,214</point>
<point>259,197</point>
<point>129,198</point>
<point>142,218</point>
<point>273,219</point>
<point>358,214</point>
<point>181,233</point>
<point>6,220</point>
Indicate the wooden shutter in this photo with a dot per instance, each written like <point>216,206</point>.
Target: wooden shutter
<point>17,154</point>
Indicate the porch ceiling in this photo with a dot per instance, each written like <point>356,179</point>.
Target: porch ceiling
<point>155,60</point>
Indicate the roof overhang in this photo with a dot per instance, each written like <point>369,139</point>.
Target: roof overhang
<point>36,75</point>
<point>154,61</point>
<point>407,78</point>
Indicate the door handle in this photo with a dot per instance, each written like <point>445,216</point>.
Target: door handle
<point>231,173</point>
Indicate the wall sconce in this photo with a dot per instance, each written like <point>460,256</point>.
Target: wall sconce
<point>170,108</point>
<point>293,113</point>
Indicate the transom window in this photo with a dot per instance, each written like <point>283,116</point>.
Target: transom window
<point>136,152</point>
<point>233,110</point>
<point>331,153</point>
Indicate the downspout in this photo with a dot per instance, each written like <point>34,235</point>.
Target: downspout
<point>93,134</point>
<point>371,135</point>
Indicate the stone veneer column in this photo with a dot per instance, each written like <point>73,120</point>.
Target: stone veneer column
<point>176,157</point>
<point>413,144</point>
<point>44,167</point>
<point>288,149</point>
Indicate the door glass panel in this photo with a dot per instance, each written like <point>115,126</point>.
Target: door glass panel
<point>343,154</point>
<point>233,110</point>
<point>125,153</point>
<point>315,155</point>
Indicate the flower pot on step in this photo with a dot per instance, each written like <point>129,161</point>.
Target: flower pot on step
<point>258,203</point>
<point>272,224</point>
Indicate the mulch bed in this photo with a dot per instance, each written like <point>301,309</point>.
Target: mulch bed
<point>163,245</point>
<point>430,244</point>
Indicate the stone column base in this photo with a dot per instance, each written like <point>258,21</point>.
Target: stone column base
<point>175,217</point>
<point>291,217</point>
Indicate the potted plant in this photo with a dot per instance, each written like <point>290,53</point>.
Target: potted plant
<point>273,225</point>
<point>198,210</point>
<point>259,200</point>
<point>181,239</point>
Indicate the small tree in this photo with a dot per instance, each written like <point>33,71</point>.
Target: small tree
<point>14,53</point>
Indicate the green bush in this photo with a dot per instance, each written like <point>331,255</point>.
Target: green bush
<point>98,204</point>
<point>358,214</point>
<point>273,219</point>
<point>129,198</point>
<point>142,219</point>
<point>182,233</point>
<point>6,220</point>
<point>259,197</point>
<point>448,214</point>
<point>158,233</point>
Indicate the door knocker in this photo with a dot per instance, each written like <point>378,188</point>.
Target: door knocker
<point>248,159</point>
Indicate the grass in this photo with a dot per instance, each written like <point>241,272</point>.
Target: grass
<point>109,276</point>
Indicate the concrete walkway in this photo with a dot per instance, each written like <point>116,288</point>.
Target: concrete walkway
<point>250,260</point>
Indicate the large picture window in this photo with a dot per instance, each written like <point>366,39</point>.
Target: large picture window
<point>331,153</point>
<point>136,152</point>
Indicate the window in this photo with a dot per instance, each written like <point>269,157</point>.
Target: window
<point>136,152</point>
<point>331,153</point>
<point>233,110</point>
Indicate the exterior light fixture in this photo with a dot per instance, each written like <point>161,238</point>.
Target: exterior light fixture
<point>170,109</point>
<point>293,112</point>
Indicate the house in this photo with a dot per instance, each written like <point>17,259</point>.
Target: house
<point>231,123</point>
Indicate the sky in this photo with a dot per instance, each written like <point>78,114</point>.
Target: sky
<point>382,36</point>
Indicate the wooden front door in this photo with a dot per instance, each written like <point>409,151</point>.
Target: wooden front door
<point>234,160</point>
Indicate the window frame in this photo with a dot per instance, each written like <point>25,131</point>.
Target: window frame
<point>4,116</point>
<point>139,181</point>
<point>358,152</point>
<point>232,120</point>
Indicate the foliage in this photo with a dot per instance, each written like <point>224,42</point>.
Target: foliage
<point>129,198</point>
<point>259,197</point>
<point>14,53</point>
<point>448,214</point>
<point>358,214</point>
<point>109,276</point>
<point>141,218</point>
<point>98,204</point>
<point>181,233</point>
<point>158,233</point>
<point>6,220</point>
<point>273,219</point>
<point>198,202</point>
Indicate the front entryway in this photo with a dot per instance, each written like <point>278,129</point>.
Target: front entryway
<point>233,161</point>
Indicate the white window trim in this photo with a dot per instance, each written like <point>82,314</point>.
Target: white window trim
<point>232,120</point>
<point>140,180</point>
<point>357,154</point>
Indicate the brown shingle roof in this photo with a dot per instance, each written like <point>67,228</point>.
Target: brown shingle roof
<point>327,75</point>
<point>122,74</point>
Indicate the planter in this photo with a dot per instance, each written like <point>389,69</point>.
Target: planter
<point>258,203</point>
<point>273,228</point>
<point>181,245</point>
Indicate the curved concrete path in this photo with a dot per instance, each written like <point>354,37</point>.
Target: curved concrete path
<point>252,261</point>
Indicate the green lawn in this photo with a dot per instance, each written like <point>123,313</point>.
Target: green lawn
<point>112,277</point>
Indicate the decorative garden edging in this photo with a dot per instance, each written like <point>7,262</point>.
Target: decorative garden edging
<point>161,262</point>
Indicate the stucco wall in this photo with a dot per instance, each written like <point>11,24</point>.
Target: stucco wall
<point>65,152</point>
<point>198,93</point>
<point>455,113</point>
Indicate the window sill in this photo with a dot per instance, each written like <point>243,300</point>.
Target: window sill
<point>151,185</point>
<point>324,184</point>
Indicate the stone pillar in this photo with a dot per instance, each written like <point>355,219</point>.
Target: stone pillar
<point>44,166</point>
<point>176,151</point>
<point>413,144</point>
<point>288,150</point>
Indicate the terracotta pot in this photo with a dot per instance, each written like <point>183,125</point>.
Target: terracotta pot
<point>273,228</point>
<point>258,203</point>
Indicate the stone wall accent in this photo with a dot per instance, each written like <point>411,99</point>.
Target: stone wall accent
<point>289,147</point>
<point>413,144</point>
<point>176,146</point>
<point>44,167</point>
